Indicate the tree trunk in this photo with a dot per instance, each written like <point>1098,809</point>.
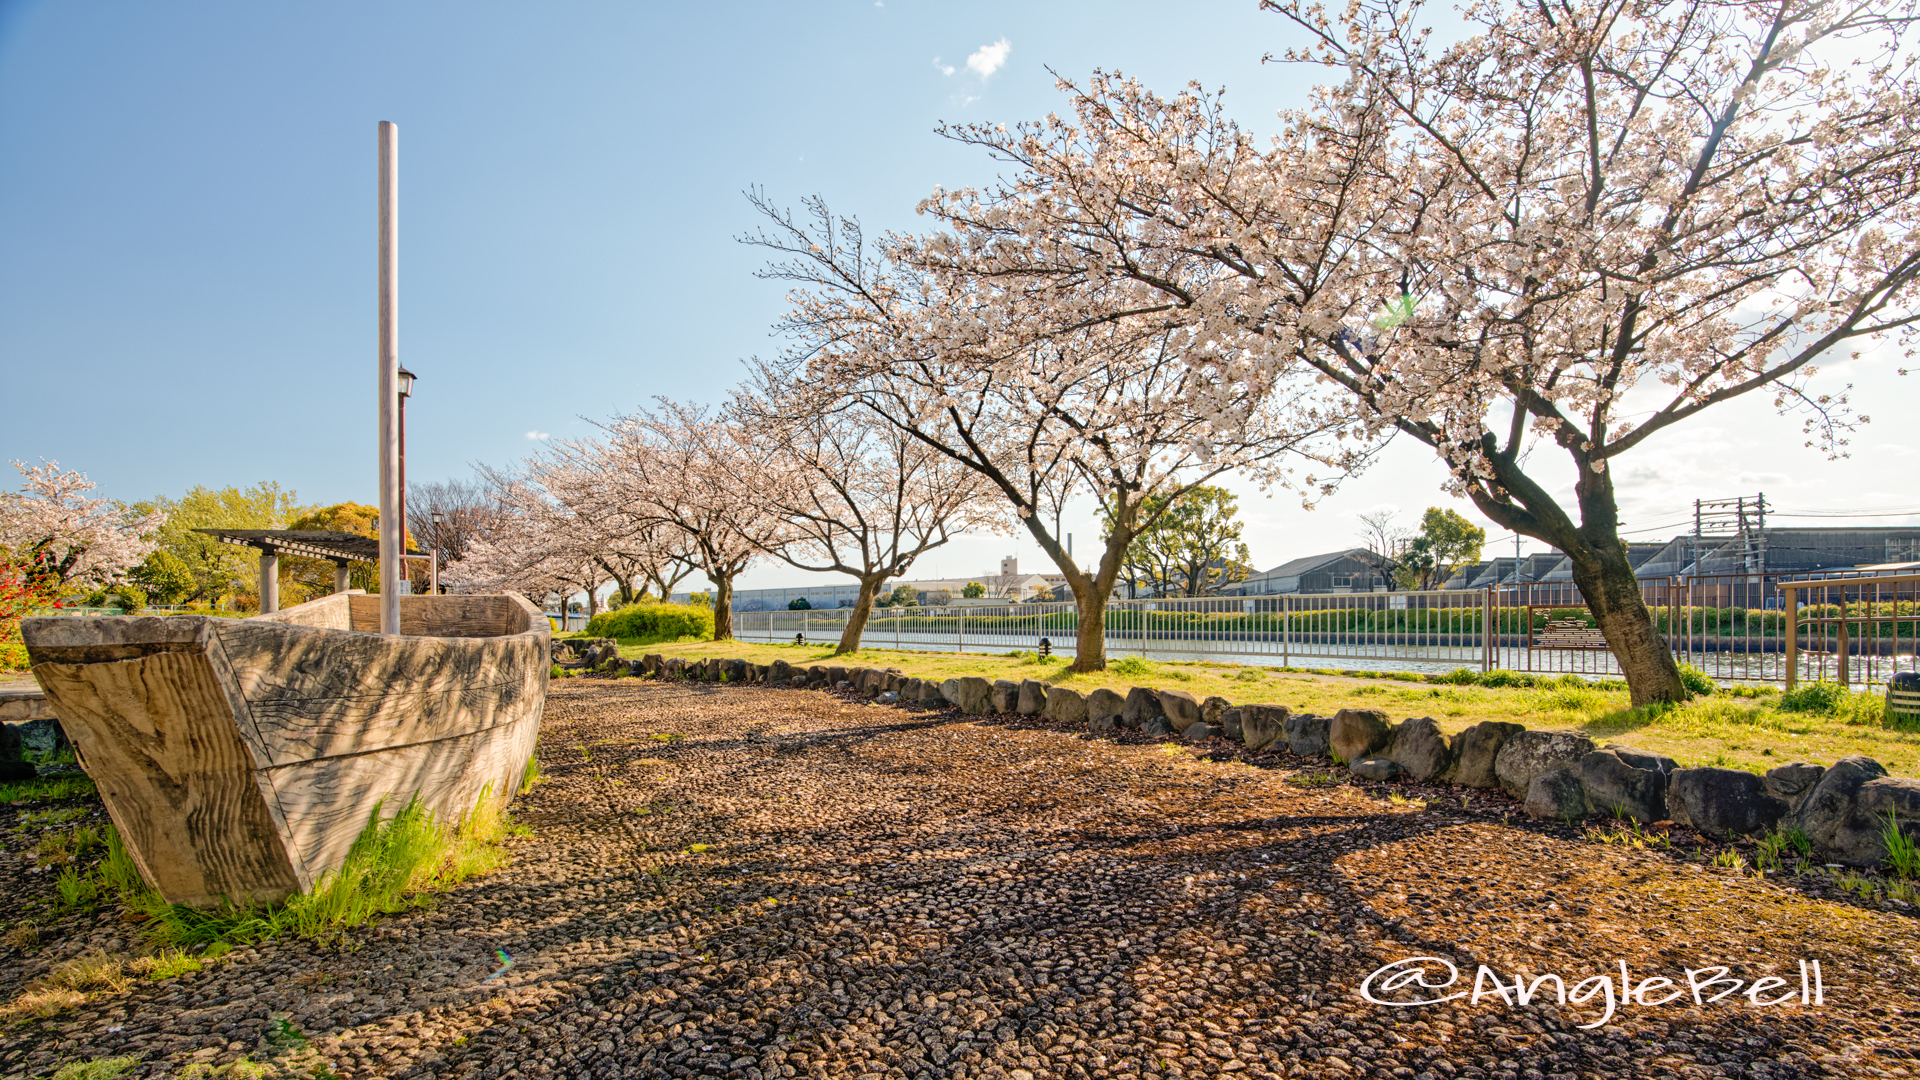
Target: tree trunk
<point>1600,568</point>
<point>857,622</point>
<point>722,606</point>
<point>1612,592</point>
<point>1090,643</point>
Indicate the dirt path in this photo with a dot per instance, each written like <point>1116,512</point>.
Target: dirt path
<point>756,883</point>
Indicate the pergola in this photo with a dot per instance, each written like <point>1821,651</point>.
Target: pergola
<point>339,548</point>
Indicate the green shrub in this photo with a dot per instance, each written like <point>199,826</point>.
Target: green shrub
<point>1697,681</point>
<point>1824,697</point>
<point>648,623</point>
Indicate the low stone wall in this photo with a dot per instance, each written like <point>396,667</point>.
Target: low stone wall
<point>1844,809</point>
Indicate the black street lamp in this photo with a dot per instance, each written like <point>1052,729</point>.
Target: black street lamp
<point>406,391</point>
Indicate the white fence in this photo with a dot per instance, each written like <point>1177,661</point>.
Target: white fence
<point>1731,627</point>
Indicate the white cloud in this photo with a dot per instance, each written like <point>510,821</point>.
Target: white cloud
<point>944,69</point>
<point>539,435</point>
<point>988,59</point>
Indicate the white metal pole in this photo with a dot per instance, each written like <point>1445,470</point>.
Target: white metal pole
<point>269,582</point>
<point>389,352</point>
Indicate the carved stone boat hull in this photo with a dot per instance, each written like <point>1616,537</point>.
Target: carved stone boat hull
<point>240,758</point>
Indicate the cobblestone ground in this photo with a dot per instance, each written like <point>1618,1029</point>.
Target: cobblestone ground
<point>756,883</point>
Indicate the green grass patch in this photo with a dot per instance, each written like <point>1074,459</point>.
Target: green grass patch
<point>396,864</point>
<point>96,1068</point>
<point>48,788</point>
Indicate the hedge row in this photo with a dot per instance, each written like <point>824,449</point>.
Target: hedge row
<point>647,623</point>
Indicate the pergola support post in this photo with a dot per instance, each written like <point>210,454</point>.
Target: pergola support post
<point>342,577</point>
<point>269,582</point>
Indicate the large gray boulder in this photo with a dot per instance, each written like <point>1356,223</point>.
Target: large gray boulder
<point>1230,722</point>
<point>1307,733</point>
<point>836,673</point>
<point>1199,731</point>
<point>930,695</point>
<point>1156,728</point>
<point>1263,726</point>
<point>1006,696</point>
<point>1832,819</point>
<point>1793,783</point>
<point>950,689</point>
<point>1557,795</point>
<point>1532,753</point>
<point>1376,768</point>
<point>1420,749</point>
<point>1644,759</point>
<point>1722,802</point>
<point>1033,697</point>
<point>1614,783</point>
<point>976,695</point>
<point>1476,749</point>
<point>1358,733</point>
<point>1142,705</point>
<point>10,743</point>
<point>1213,713</point>
<point>1181,708</point>
<point>1067,706</point>
<point>650,664</point>
<point>1105,702</point>
<point>1895,796</point>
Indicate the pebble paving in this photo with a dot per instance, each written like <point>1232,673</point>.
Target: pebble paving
<point>754,883</point>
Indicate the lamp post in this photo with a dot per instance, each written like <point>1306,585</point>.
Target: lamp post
<point>406,391</point>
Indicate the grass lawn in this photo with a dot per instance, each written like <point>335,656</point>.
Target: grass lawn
<point>1739,732</point>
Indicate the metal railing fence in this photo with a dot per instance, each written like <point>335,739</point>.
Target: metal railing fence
<point>1730,626</point>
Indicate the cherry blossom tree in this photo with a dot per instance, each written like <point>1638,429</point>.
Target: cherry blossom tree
<point>529,545</point>
<point>597,522</point>
<point>62,536</point>
<point>1575,227</point>
<point>1611,218</point>
<point>1046,393</point>
<point>860,496</point>
<point>683,468</point>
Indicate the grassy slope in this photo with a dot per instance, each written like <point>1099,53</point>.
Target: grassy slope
<point>1748,733</point>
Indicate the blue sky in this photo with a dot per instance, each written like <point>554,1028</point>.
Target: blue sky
<point>186,224</point>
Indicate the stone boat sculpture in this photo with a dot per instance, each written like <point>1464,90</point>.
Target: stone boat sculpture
<point>240,758</point>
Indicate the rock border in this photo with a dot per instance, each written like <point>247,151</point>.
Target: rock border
<point>1842,809</point>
